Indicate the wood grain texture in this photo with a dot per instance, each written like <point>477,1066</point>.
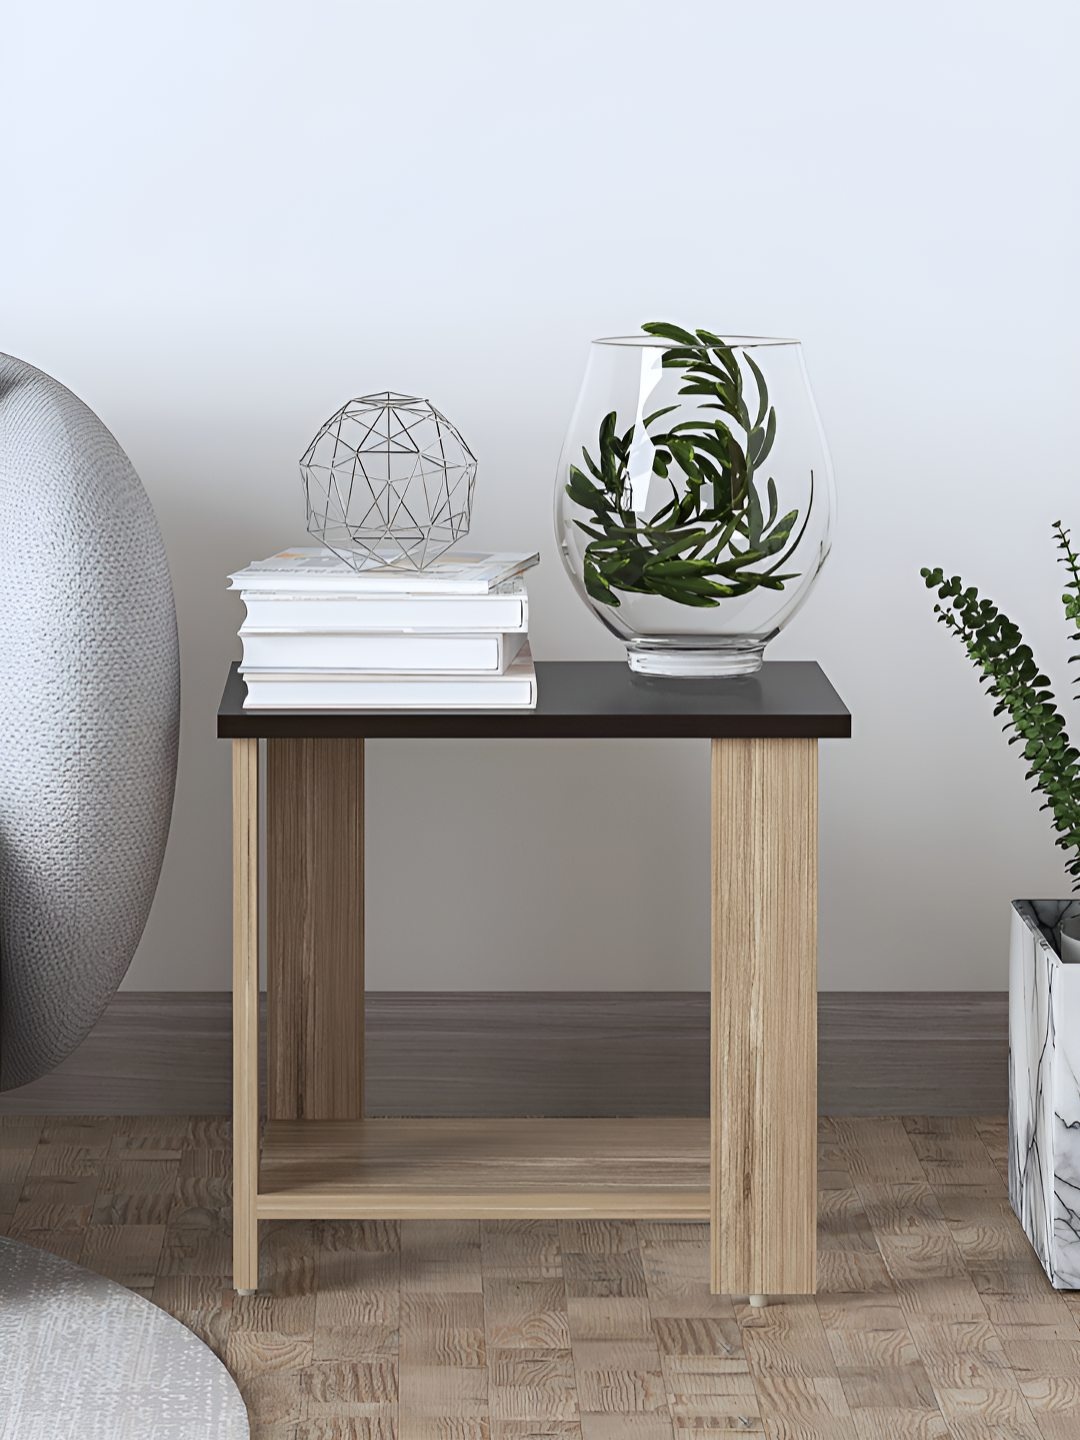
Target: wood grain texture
<point>315,929</point>
<point>932,1321</point>
<point>545,1053</point>
<point>764,1015</point>
<point>480,1168</point>
<point>245,789</point>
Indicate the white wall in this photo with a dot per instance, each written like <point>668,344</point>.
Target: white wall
<point>222,220</point>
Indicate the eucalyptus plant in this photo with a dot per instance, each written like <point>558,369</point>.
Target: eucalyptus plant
<point>721,532</point>
<point>1021,690</point>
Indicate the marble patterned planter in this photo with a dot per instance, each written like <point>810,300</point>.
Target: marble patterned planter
<point>1044,1087</point>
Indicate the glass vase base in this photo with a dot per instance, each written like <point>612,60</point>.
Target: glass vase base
<point>685,662</point>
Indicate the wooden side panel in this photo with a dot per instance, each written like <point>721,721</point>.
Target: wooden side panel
<point>245,806</point>
<point>764,1016</point>
<point>315,929</point>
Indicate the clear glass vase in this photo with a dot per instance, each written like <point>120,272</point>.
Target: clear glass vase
<point>694,501</point>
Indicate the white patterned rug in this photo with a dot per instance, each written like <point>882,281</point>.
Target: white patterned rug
<point>81,1358</point>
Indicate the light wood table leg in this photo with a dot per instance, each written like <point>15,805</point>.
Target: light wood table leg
<point>245,799</point>
<point>315,929</point>
<point>764,1017</point>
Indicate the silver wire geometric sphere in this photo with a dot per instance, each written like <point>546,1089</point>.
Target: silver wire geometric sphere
<point>388,479</point>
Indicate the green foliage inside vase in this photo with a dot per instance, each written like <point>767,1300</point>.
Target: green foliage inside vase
<point>720,533</point>
<point>1021,691</point>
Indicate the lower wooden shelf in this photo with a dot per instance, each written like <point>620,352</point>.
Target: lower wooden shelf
<point>485,1169</point>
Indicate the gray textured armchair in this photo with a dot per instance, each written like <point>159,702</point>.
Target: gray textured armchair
<point>89,717</point>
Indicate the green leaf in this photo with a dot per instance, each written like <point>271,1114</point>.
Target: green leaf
<point>802,531</point>
<point>676,358</point>
<point>714,389</point>
<point>777,539</point>
<point>685,542</point>
<point>774,503</point>
<point>588,529</point>
<point>584,493</point>
<point>686,597</point>
<point>762,388</point>
<point>598,587</point>
<point>594,469</point>
<point>762,442</point>
<point>607,451</point>
<point>684,455</point>
<point>664,331</point>
<point>755,519</point>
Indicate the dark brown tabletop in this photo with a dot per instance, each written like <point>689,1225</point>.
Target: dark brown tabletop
<point>583,699</point>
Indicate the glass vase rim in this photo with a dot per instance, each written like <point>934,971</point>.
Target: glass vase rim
<point>657,342</point>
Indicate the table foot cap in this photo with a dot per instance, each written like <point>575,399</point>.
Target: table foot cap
<point>759,1302</point>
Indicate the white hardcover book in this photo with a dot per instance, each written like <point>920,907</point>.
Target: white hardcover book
<point>503,609</point>
<point>412,652</point>
<point>314,568</point>
<point>282,690</point>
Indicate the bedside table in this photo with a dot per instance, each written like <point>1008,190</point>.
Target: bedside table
<point>750,1169</point>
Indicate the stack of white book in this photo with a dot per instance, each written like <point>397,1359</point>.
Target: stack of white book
<point>320,635</point>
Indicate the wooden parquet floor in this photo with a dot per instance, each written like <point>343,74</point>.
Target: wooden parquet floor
<point>933,1318</point>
